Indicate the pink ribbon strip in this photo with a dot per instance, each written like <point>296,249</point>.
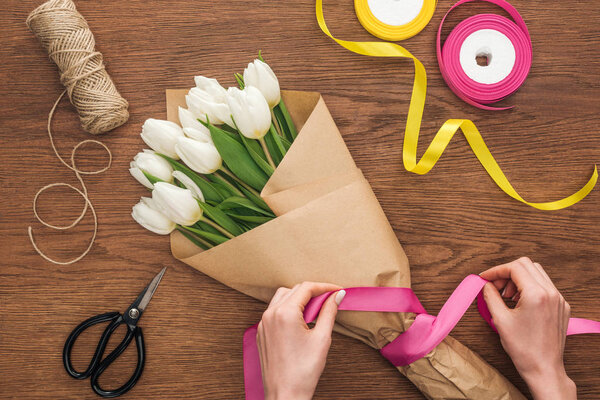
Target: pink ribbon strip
<point>475,93</point>
<point>426,332</point>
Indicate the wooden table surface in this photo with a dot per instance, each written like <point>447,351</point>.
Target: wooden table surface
<point>452,221</point>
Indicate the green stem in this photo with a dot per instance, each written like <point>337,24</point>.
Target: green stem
<point>217,227</point>
<point>266,150</point>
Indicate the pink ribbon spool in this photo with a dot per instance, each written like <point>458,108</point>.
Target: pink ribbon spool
<point>476,93</point>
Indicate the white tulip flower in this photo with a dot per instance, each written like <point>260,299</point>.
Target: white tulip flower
<point>187,119</point>
<point>153,164</point>
<point>161,136</point>
<point>147,215</point>
<point>177,204</point>
<point>198,135</point>
<point>189,185</point>
<point>202,157</point>
<point>211,86</point>
<point>208,102</point>
<point>261,76</point>
<point>250,111</point>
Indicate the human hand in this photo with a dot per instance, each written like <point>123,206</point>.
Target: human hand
<point>533,333</point>
<point>292,355</point>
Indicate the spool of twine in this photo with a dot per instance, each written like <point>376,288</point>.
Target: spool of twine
<point>67,38</point>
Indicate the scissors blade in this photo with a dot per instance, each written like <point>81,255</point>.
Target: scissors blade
<point>150,289</point>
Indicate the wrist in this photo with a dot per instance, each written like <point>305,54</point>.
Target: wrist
<point>551,384</point>
<point>287,394</point>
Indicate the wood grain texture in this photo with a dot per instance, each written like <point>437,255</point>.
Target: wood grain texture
<point>452,221</point>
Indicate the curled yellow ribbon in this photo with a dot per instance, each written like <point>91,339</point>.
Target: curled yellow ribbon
<point>448,129</point>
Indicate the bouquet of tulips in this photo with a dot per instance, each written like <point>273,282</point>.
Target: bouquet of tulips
<point>222,173</point>
<point>207,174</point>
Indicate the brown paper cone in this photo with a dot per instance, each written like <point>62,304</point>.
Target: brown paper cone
<point>331,228</point>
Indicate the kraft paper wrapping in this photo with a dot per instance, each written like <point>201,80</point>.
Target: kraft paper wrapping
<point>331,228</point>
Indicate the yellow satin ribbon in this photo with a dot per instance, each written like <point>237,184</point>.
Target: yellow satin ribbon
<point>393,32</point>
<point>447,130</point>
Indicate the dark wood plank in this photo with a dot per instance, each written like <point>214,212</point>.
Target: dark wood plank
<point>452,222</point>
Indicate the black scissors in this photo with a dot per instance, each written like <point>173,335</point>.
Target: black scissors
<point>97,365</point>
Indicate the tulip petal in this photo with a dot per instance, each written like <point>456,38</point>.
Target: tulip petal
<point>140,177</point>
<point>189,184</point>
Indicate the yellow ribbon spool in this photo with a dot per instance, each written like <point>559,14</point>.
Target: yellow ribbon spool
<point>448,129</point>
<point>393,32</point>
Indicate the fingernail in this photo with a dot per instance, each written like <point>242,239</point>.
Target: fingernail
<point>339,296</point>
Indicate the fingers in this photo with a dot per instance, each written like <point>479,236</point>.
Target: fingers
<point>326,318</point>
<point>566,316</point>
<point>510,290</point>
<point>494,301</point>
<point>538,266</point>
<point>260,339</point>
<point>539,277</point>
<point>279,295</point>
<point>516,271</point>
<point>302,293</point>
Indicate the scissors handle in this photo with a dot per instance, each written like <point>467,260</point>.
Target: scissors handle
<point>115,320</point>
<point>141,359</point>
<point>98,365</point>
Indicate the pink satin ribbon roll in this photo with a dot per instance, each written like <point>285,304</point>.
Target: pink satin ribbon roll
<point>481,94</point>
<point>426,332</point>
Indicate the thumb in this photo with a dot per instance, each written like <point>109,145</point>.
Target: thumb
<point>495,303</point>
<point>328,312</point>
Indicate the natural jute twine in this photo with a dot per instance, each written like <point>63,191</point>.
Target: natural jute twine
<point>66,36</point>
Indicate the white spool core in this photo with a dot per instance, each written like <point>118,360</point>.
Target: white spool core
<point>499,51</point>
<point>395,12</point>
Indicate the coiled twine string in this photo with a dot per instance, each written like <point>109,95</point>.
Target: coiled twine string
<point>66,36</point>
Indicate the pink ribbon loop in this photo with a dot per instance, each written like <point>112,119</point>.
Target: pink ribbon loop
<point>426,332</point>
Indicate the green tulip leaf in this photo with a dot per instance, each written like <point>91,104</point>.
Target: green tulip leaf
<point>288,119</point>
<point>255,199</point>
<point>240,80</point>
<point>224,186</point>
<point>286,144</point>
<point>282,123</point>
<point>235,202</point>
<point>238,159</point>
<point>198,242</point>
<point>273,150</point>
<point>257,154</point>
<point>259,219</point>
<point>213,237</point>
<point>221,219</point>
<point>205,227</point>
<point>278,140</point>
